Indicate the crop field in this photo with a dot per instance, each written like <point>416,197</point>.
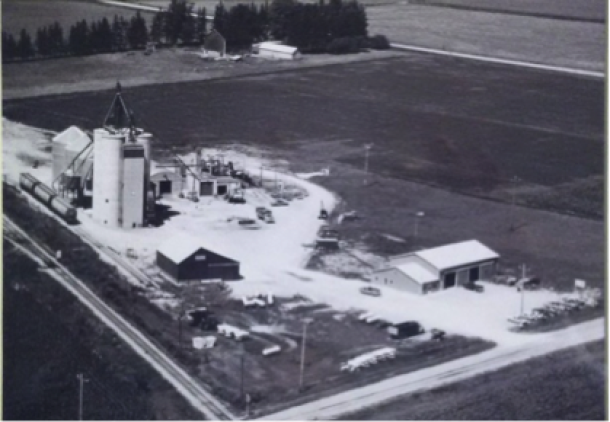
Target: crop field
<point>455,124</point>
<point>578,45</point>
<point>565,385</point>
<point>48,339</point>
<point>33,14</point>
<point>594,10</point>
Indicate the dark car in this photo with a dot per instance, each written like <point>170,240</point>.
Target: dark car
<point>475,287</point>
<point>405,330</point>
<point>529,283</point>
<point>437,334</point>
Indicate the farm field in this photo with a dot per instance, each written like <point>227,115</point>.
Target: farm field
<point>48,338</point>
<point>562,9</point>
<point>470,131</point>
<point>578,45</point>
<point>33,14</point>
<point>565,385</point>
<point>452,123</point>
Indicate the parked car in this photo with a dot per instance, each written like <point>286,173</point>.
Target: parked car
<point>475,287</point>
<point>236,200</point>
<point>529,283</point>
<point>405,330</point>
<point>371,291</point>
<point>279,203</point>
<point>437,334</point>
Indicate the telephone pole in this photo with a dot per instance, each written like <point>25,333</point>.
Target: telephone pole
<point>81,387</point>
<point>305,323</point>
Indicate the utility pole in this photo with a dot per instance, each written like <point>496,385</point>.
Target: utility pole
<point>241,384</point>
<point>418,215</point>
<point>514,181</point>
<point>523,273</point>
<point>81,382</point>
<point>367,148</point>
<point>305,323</point>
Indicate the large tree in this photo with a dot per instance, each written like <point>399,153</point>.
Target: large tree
<point>9,46</point>
<point>25,48</point>
<point>201,25</point>
<point>137,34</point>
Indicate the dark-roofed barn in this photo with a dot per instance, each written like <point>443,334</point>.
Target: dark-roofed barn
<point>184,259</point>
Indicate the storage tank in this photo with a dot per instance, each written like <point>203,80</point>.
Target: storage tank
<point>134,192</point>
<point>107,175</point>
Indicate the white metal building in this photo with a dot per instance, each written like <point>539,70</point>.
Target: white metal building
<point>272,50</point>
<point>439,268</point>
<point>66,147</point>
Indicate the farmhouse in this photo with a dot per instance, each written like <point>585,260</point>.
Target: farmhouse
<point>439,268</point>
<point>182,258</point>
<point>272,50</point>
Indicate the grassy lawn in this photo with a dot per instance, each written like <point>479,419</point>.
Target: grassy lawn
<point>566,385</point>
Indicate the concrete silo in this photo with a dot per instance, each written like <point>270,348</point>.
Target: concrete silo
<point>133,198</point>
<point>107,175</point>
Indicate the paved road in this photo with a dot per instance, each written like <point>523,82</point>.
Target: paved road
<point>202,400</point>
<point>374,394</point>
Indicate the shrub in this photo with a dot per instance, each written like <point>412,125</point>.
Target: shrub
<point>346,45</point>
<point>379,42</point>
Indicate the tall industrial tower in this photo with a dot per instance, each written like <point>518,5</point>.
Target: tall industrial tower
<point>121,169</point>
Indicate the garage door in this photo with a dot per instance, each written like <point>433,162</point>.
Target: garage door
<point>165,186</point>
<point>206,189</point>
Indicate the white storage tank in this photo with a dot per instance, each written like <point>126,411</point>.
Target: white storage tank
<point>107,175</point>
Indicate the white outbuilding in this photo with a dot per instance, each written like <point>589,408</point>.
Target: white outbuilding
<point>439,268</point>
<point>274,50</point>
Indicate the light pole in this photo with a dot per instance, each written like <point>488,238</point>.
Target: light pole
<point>522,287</point>
<point>306,322</point>
<point>418,215</point>
<point>367,148</point>
<point>241,384</point>
<point>81,385</point>
<point>514,181</point>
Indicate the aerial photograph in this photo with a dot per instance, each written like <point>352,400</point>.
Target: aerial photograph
<point>304,209</point>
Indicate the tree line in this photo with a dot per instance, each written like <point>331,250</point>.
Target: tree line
<point>82,39</point>
<point>338,26</point>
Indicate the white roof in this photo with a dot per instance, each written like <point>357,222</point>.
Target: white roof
<point>417,272</point>
<point>73,139</point>
<point>457,254</point>
<point>277,47</point>
<point>179,247</point>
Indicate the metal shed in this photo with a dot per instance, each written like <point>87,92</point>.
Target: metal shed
<point>438,268</point>
<point>183,258</point>
<point>273,50</point>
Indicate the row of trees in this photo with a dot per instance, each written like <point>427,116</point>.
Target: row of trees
<point>83,39</point>
<point>314,27</point>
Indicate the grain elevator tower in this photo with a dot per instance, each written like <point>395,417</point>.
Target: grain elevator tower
<point>121,170</point>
